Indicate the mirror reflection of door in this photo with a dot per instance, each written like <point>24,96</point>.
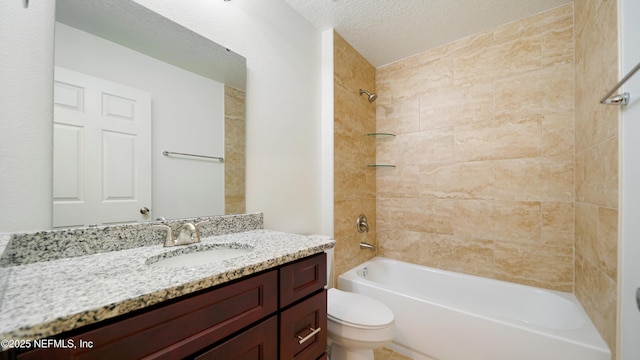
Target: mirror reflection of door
<point>102,151</point>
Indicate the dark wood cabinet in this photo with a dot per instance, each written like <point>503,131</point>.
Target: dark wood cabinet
<point>303,329</point>
<point>264,316</point>
<point>258,343</point>
<point>302,278</point>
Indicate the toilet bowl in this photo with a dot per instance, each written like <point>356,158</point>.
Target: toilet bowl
<point>357,325</point>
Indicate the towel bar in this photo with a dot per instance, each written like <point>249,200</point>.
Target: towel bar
<point>167,153</point>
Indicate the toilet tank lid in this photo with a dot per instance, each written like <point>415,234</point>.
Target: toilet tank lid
<point>357,309</point>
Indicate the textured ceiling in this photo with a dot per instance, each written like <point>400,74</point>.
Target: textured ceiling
<point>384,31</point>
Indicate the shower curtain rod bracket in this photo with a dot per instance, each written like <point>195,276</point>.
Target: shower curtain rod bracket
<point>622,99</point>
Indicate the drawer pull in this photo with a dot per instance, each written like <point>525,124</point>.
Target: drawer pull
<point>313,333</point>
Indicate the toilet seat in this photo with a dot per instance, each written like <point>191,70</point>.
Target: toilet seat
<point>356,310</point>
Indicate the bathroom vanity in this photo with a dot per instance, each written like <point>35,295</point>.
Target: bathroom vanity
<point>267,304</point>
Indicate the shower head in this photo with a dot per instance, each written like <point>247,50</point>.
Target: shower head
<point>372,96</point>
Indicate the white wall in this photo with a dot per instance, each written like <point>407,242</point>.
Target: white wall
<point>283,97</point>
<point>327,133</point>
<point>26,96</point>
<point>188,117</point>
<point>629,249</point>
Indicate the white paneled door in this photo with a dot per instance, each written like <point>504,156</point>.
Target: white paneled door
<point>101,151</point>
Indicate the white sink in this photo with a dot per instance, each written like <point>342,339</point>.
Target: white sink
<point>198,255</point>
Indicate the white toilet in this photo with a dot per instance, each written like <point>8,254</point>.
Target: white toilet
<point>356,325</point>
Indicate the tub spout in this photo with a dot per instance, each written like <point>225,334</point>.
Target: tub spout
<point>367,246</point>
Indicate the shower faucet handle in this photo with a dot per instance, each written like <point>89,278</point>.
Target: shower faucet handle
<point>361,224</point>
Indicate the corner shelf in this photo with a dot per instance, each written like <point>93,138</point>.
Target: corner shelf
<point>381,166</point>
<point>381,134</point>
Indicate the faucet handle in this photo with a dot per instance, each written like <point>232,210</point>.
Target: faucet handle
<point>361,224</point>
<point>169,240</point>
<point>198,224</point>
<point>188,234</point>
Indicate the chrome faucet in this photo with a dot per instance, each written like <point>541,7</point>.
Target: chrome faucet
<point>187,234</point>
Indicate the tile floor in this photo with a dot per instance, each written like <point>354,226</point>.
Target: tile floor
<point>388,354</point>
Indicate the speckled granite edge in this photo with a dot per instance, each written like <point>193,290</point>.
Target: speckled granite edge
<point>32,247</point>
<point>48,298</point>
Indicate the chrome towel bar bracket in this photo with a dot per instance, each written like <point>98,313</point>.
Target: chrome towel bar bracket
<point>620,99</point>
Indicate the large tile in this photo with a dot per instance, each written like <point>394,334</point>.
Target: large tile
<point>558,133</point>
<point>415,214</point>
<point>403,80</point>
<point>416,148</point>
<point>537,92</point>
<point>462,180</point>
<point>507,221</point>
<point>352,71</point>
<point>388,354</point>
<point>429,75</point>
<point>597,174</point>
<point>586,227</point>
<point>398,182</point>
<point>607,245</point>
<point>548,267</point>
<point>535,179</point>
<point>558,37</point>
<point>457,105</point>
<point>558,224</point>
<point>401,245</point>
<point>454,253</point>
<point>397,117</point>
<point>504,138</point>
<point>502,58</point>
<point>597,294</point>
<point>354,182</point>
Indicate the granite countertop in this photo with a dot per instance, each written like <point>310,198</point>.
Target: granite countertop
<point>43,299</point>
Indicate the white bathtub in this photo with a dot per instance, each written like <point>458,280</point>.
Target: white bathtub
<point>451,316</point>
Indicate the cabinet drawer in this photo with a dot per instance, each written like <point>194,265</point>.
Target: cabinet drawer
<point>258,343</point>
<point>302,278</point>
<point>303,329</point>
<point>179,329</point>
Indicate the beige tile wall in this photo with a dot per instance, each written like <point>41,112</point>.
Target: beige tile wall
<point>234,150</point>
<point>354,182</point>
<point>506,162</point>
<point>484,182</point>
<point>597,164</point>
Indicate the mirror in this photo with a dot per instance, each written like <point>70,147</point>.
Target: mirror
<point>118,62</point>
